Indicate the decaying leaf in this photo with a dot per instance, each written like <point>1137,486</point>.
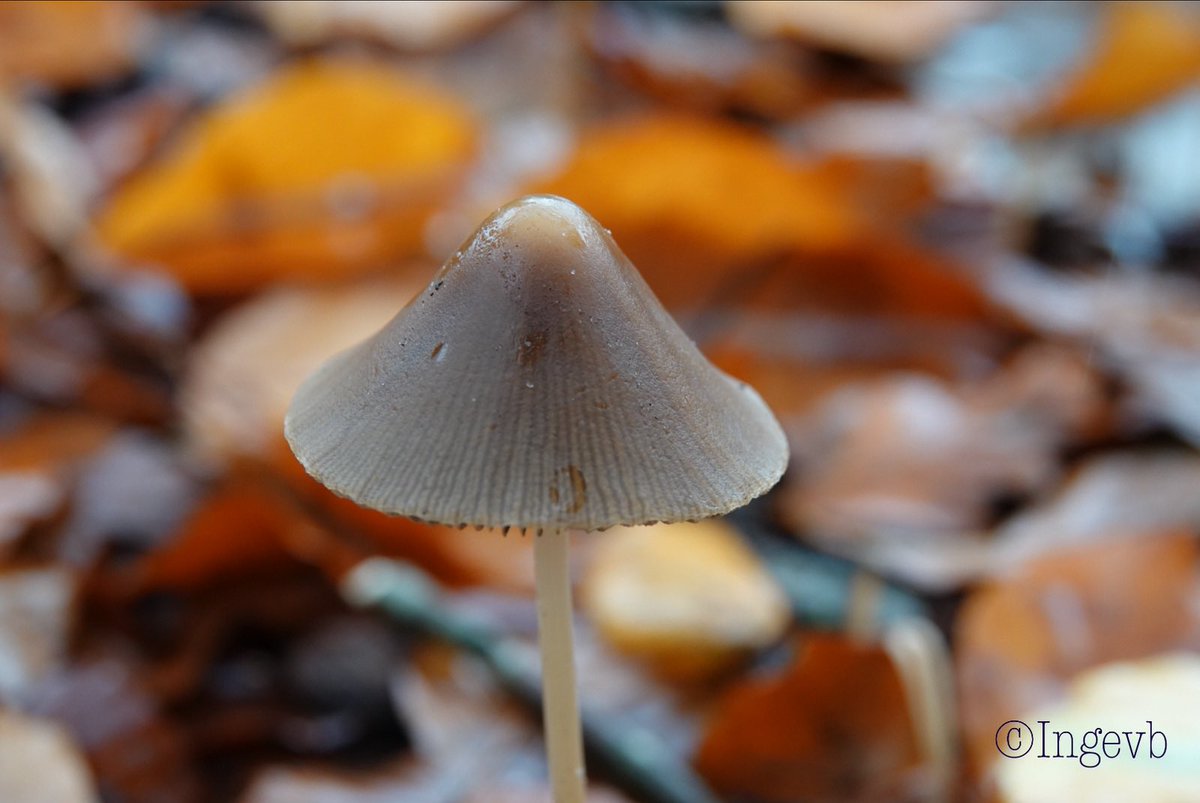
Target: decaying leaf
<point>327,169</point>
<point>1144,53</point>
<point>689,599</point>
<point>833,726</point>
<point>885,30</point>
<point>1147,328</point>
<point>912,462</point>
<point>1021,637</point>
<point>40,764</point>
<point>237,532</point>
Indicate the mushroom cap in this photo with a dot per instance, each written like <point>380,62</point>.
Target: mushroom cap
<point>536,383</point>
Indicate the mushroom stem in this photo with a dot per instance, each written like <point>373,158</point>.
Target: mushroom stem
<point>560,707</point>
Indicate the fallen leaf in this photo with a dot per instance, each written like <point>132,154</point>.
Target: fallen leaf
<point>689,61</point>
<point>834,725</point>
<point>265,186</point>
<point>674,191</point>
<point>237,532</point>
<point>688,599</point>
<point>909,463</point>
<point>40,462</point>
<point>1144,53</point>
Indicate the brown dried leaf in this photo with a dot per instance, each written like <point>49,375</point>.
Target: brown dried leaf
<point>833,726</point>
<point>239,531</point>
<point>266,186</point>
<point>913,461</point>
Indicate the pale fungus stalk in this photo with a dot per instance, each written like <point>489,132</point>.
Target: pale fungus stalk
<point>560,706</point>
<point>437,416</point>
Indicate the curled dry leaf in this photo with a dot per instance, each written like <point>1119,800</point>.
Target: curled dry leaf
<point>1144,53</point>
<point>834,725</point>
<point>40,764</point>
<point>67,44</point>
<point>1151,707</point>
<point>884,30</point>
<point>264,187</point>
<point>1021,637</point>
<point>689,599</point>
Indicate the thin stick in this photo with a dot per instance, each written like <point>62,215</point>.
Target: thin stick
<point>564,740</point>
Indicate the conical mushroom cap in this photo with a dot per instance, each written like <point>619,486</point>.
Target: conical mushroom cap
<point>536,383</point>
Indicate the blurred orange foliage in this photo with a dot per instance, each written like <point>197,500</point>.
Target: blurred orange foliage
<point>709,211</point>
<point>1145,52</point>
<point>833,726</point>
<point>326,169</point>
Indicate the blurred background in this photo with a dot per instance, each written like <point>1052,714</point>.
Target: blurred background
<point>954,245</point>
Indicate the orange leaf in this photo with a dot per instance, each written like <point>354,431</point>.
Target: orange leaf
<point>327,168</point>
<point>1145,53</point>
<point>689,199</point>
<point>236,532</point>
<point>833,726</point>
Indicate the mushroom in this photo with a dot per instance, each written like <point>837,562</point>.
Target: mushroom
<point>537,383</point>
